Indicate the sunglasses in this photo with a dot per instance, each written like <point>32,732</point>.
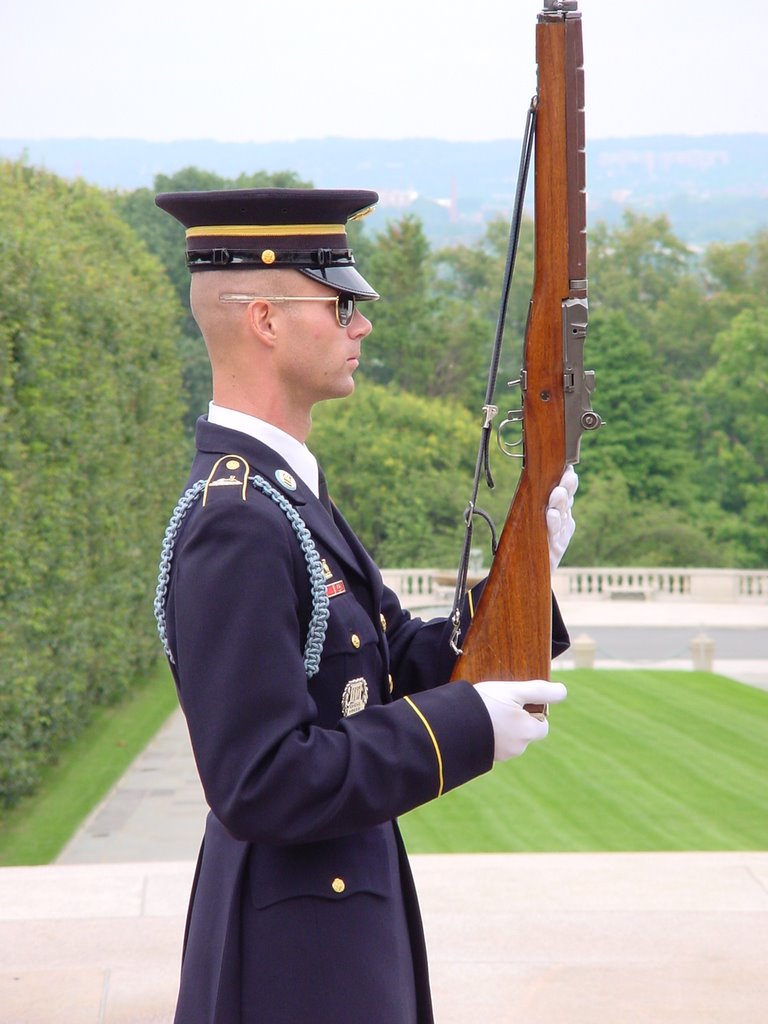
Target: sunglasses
<point>345,303</point>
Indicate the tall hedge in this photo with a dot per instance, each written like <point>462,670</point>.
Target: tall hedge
<point>91,447</point>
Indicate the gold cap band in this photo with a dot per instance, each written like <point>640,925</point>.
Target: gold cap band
<point>265,230</point>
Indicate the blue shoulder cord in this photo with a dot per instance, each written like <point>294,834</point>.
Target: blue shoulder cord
<point>318,622</point>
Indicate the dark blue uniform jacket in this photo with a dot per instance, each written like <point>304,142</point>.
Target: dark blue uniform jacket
<point>303,907</point>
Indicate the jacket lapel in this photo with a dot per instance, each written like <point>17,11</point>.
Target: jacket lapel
<point>367,565</point>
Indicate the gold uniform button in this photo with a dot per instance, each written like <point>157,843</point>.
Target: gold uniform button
<point>383,623</point>
<point>338,885</point>
<point>355,640</point>
<point>391,683</point>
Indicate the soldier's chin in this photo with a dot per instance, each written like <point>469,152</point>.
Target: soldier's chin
<point>341,391</point>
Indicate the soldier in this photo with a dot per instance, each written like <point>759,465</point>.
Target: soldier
<point>318,709</point>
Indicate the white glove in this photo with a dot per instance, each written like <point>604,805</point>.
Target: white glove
<point>560,521</point>
<point>513,727</point>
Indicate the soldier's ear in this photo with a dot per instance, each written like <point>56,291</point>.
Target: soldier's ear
<point>262,320</point>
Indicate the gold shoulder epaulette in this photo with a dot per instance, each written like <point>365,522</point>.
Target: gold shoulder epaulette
<point>229,471</point>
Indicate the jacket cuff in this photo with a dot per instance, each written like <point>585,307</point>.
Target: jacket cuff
<point>459,730</point>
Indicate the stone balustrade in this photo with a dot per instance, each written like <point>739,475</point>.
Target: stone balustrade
<point>419,588</point>
<point>433,588</point>
<point>706,585</point>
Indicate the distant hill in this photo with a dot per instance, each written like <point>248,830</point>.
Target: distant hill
<point>714,187</point>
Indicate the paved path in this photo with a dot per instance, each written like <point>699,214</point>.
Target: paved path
<point>155,812</point>
<point>545,939</point>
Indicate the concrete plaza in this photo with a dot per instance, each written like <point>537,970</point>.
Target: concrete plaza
<point>546,939</point>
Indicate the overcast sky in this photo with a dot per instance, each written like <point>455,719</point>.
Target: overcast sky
<point>251,71</point>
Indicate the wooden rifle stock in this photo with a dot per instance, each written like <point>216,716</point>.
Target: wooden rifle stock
<point>510,636</point>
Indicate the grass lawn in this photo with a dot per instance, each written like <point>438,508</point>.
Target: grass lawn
<point>635,760</point>
<point>36,830</point>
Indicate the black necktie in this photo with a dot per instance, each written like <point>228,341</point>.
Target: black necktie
<point>322,487</point>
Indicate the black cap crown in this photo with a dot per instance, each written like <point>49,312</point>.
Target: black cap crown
<point>248,229</point>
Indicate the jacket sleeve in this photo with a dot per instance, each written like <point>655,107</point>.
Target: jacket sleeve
<point>270,772</point>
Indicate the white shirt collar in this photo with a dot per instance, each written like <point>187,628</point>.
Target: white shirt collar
<point>297,455</point>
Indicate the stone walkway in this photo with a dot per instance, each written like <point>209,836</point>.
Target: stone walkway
<point>156,812</point>
<point>655,938</point>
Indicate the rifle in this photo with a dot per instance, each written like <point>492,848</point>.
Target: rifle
<point>510,635</point>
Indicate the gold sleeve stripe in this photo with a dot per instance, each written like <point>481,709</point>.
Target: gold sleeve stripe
<point>471,605</point>
<point>266,230</point>
<point>435,744</point>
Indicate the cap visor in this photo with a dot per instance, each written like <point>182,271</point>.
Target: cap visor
<point>343,279</point>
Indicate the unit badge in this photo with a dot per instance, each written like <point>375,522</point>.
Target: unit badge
<point>355,697</point>
<point>285,479</point>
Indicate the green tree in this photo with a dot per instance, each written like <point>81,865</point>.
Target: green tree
<point>736,277</point>
<point>646,435</point>
<point>433,329</point>
<point>634,265</point>
<point>475,273</point>
<point>733,431</point>
<point>400,467</point>
<point>399,351</point>
<point>643,500</point>
<point>682,328</point>
<point>725,280</point>
<point>614,528</point>
<point>89,453</point>
<point>641,269</point>
<point>473,276</point>
<point>739,269</point>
